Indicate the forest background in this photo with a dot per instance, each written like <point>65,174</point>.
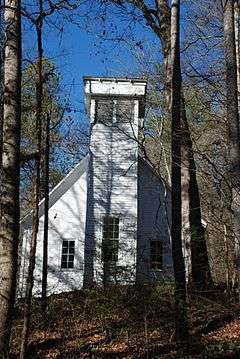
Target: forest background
<point>117,38</point>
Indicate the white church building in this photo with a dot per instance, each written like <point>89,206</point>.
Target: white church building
<point>109,218</point>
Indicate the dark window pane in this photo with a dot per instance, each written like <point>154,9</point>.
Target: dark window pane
<point>68,249</point>
<point>110,239</point>
<point>110,250</point>
<point>104,111</point>
<point>110,231</point>
<point>156,254</point>
<point>106,252</point>
<point>116,221</point>
<point>110,221</point>
<point>124,111</point>
<point>71,250</point>
<point>116,232</point>
<point>110,227</point>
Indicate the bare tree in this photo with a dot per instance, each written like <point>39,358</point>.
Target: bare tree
<point>1,80</point>
<point>9,229</point>
<point>178,260</point>
<point>33,244</point>
<point>158,18</point>
<point>237,41</point>
<point>46,209</point>
<point>38,23</point>
<point>232,117</point>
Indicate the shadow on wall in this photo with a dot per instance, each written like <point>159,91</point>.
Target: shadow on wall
<point>113,185</point>
<point>112,190</point>
<point>59,279</point>
<point>117,185</point>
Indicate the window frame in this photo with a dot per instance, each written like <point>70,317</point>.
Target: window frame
<point>112,106</point>
<point>156,264</point>
<point>115,119</point>
<point>68,251</point>
<point>124,119</point>
<point>112,239</point>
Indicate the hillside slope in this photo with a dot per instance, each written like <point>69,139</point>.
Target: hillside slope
<point>125,322</point>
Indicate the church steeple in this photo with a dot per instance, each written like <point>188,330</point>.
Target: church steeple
<point>114,107</point>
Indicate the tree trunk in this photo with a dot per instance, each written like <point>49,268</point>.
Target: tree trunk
<point>159,21</point>
<point>181,324</point>
<point>1,83</point>
<point>200,277</point>
<point>237,42</point>
<point>186,237</point>
<point>232,119</point>
<point>9,229</point>
<point>33,245</point>
<point>231,87</point>
<point>46,208</point>
<point>200,274</point>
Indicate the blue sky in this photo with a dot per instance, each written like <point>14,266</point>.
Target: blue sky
<point>78,52</point>
<point>78,49</point>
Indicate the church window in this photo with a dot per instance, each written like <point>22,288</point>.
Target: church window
<point>68,252</point>
<point>110,111</point>
<point>104,110</point>
<point>124,111</point>
<point>110,239</point>
<point>156,254</point>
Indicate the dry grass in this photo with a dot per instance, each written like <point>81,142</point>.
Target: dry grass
<point>122,322</point>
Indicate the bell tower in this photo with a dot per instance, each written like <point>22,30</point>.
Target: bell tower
<point>114,107</point>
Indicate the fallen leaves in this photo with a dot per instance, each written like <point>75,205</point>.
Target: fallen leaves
<point>124,324</point>
<point>229,332</point>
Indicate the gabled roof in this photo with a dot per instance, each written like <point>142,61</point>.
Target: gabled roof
<point>67,182</point>
<point>62,187</point>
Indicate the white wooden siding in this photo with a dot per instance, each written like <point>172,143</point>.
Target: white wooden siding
<point>112,190</point>
<point>111,180</point>
<point>154,222</point>
<point>67,218</point>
